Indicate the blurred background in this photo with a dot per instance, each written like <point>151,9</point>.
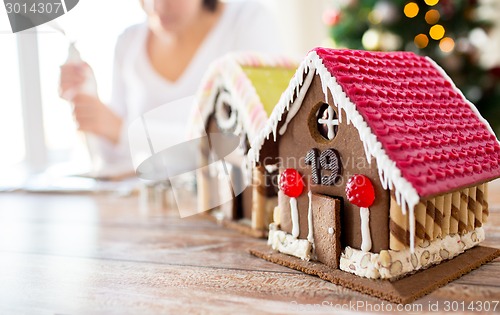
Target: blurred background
<point>36,129</point>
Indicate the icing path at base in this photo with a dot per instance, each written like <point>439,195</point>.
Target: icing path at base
<point>390,264</point>
<point>287,244</point>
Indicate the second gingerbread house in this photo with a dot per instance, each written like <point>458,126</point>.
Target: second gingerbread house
<point>238,93</point>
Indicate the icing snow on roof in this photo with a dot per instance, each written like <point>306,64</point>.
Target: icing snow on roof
<point>240,79</point>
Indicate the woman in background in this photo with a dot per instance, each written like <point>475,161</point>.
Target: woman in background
<point>164,60</point>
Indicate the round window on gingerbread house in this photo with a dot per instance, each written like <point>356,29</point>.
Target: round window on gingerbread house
<point>326,122</point>
<point>225,115</point>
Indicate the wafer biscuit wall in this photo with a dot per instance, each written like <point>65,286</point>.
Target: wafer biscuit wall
<point>458,212</point>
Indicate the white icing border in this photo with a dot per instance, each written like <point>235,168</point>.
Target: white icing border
<point>383,265</point>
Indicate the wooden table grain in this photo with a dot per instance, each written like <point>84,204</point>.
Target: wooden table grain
<point>105,254</point>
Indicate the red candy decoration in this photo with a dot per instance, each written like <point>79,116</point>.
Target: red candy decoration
<point>360,191</point>
<point>331,17</point>
<point>291,183</point>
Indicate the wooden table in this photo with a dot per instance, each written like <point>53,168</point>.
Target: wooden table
<point>102,254</point>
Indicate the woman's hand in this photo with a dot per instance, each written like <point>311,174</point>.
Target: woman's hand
<point>71,79</point>
<point>95,117</point>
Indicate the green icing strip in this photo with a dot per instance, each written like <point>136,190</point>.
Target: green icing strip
<point>269,83</point>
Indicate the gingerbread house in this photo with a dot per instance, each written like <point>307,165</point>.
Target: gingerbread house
<point>236,97</point>
<point>383,169</point>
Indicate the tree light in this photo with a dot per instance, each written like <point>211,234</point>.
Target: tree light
<point>371,39</point>
<point>447,44</point>
<point>431,2</point>
<point>411,9</point>
<point>437,32</point>
<point>421,41</point>
<point>432,16</point>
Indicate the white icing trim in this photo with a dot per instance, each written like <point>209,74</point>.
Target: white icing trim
<point>310,235</point>
<point>287,244</point>
<point>366,240</point>
<point>390,176</point>
<point>224,74</point>
<point>295,217</point>
<point>294,109</point>
<point>390,264</point>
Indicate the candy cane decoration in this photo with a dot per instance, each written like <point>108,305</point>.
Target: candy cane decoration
<point>360,192</point>
<point>292,185</point>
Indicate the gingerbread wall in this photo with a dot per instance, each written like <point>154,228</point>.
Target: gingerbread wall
<point>242,205</point>
<point>293,146</point>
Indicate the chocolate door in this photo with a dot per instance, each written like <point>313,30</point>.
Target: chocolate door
<point>326,229</point>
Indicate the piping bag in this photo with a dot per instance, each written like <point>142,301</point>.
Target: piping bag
<point>89,87</point>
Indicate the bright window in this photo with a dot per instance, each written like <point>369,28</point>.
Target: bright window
<point>95,25</point>
<point>11,125</point>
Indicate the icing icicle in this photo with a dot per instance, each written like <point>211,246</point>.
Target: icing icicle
<point>295,217</point>
<point>294,109</point>
<point>412,229</point>
<point>310,236</point>
<point>366,240</point>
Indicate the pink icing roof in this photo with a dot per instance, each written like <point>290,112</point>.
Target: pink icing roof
<point>424,124</point>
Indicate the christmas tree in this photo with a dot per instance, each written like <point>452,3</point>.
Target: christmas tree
<point>449,31</point>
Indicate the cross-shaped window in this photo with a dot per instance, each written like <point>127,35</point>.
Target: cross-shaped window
<point>327,122</point>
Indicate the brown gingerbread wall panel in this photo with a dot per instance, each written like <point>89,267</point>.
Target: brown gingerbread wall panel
<point>246,202</point>
<point>242,204</point>
<point>300,138</point>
